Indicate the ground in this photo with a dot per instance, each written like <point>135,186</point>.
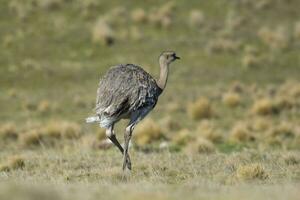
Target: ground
<point>226,127</point>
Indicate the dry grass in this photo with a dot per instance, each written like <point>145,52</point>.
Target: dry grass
<point>12,93</point>
<point>291,158</point>
<point>163,16</point>
<point>209,131</point>
<point>50,134</point>
<point>219,45</point>
<point>200,145</point>
<point>139,15</point>
<point>276,39</point>
<point>13,163</point>
<point>30,138</point>
<point>170,124</point>
<point>147,131</point>
<point>71,130</point>
<point>182,137</point>
<point>240,133</point>
<point>103,33</point>
<point>231,99</point>
<point>29,105</point>
<point>236,87</point>
<point>264,106</point>
<point>200,109</point>
<point>253,171</point>
<point>196,18</point>
<point>63,65</point>
<point>251,61</point>
<point>44,107</point>
<point>261,124</point>
<point>8,131</point>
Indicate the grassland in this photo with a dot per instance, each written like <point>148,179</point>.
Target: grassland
<point>227,126</point>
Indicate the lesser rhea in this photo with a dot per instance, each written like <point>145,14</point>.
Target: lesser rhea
<point>128,92</point>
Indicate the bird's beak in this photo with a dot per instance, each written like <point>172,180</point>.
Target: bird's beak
<point>176,57</point>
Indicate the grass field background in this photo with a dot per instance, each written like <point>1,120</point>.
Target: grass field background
<point>226,127</point>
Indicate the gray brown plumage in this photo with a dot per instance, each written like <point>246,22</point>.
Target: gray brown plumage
<point>124,90</point>
<point>128,92</point>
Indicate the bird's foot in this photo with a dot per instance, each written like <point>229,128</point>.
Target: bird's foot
<point>126,162</point>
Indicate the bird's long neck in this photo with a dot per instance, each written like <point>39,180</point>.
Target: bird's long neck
<point>163,77</point>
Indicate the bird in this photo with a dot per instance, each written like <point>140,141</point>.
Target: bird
<point>127,91</point>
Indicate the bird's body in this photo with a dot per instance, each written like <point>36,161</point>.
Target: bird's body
<point>123,91</point>
<point>128,92</point>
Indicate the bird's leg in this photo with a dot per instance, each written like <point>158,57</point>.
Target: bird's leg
<point>111,135</point>
<point>127,137</point>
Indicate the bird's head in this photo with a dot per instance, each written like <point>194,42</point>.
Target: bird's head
<point>167,57</point>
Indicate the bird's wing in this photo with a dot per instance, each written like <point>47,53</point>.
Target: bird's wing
<point>125,88</point>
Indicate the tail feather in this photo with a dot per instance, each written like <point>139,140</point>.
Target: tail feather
<point>92,119</point>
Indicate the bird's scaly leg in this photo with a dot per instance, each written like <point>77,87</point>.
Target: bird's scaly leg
<point>111,135</point>
<point>126,157</point>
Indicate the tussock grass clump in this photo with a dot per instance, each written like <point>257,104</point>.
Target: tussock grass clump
<point>70,130</point>
<point>241,133</point>
<point>8,131</point>
<point>261,124</point>
<point>282,130</point>
<point>21,8</point>
<point>101,134</point>
<point>233,20</point>
<point>12,93</point>
<point>52,130</point>
<point>183,137</point>
<point>291,158</point>
<point>200,145</point>
<point>254,171</point>
<point>200,109</point>
<point>207,130</point>
<point>236,87</point>
<point>119,11</point>
<point>50,133</point>
<point>103,33</point>
<point>44,107</point>
<point>276,39</point>
<point>29,105</point>
<point>196,18</point>
<point>264,106</point>
<point>102,144</point>
<point>169,124</point>
<point>174,107</point>
<point>13,163</point>
<point>290,89</point>
<point>251,61</point>
<point>222,45</point>
<point>231,99</point>
<point>139,15</point>
<point>147,131</point>
<point>163,17</point>
<point>284,102</point>
<point>30,138</point>
<point>93,142</point>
